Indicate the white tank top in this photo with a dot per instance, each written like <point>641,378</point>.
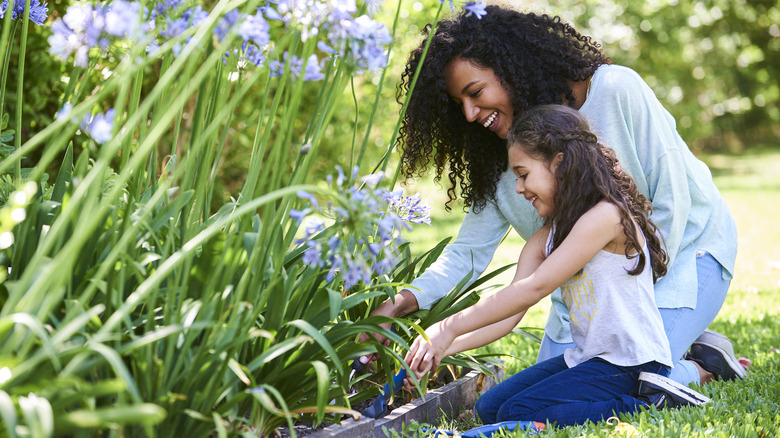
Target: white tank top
<point>613,313</point>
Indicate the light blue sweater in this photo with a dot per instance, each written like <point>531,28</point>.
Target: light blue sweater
<point>687,207</point>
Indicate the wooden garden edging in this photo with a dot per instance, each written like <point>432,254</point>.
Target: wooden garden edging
<point>449,400</point>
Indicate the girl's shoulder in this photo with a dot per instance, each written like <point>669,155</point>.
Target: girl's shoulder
<point>603,212</point>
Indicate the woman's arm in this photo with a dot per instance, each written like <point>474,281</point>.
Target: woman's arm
<point>596,229</point>
<point>470,254</point>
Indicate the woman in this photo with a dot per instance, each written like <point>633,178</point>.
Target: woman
<point>484,72</point>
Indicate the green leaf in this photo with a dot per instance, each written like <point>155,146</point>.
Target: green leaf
<point>277,350</point>
<point>321,340</point>
<point>8,414</point>
<point>323,384</point>
<point>64,176</point>
<point>335,303</point>
<point>144,414</point>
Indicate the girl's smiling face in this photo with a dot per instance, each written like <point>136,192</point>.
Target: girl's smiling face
<point>535,179</point>
<point>480,94</point>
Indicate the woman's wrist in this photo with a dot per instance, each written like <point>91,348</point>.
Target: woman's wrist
<point>402,304</point>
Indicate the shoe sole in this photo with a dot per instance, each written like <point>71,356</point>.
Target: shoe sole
<point>723,345</point>
<point>679,390</point>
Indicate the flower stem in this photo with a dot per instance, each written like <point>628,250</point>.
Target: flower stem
<point>19,89</point>
<point>6,61</point>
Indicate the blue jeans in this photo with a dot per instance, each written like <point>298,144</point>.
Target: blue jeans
<point>551,391</point>
<point>682,325</point>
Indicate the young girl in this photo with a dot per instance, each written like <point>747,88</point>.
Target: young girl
<point>598,245</point>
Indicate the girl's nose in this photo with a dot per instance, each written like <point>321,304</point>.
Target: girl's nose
<point>520,187</point>
<point>470,111</point>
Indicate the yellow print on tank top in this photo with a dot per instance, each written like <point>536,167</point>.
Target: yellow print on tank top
<point>580,298</point>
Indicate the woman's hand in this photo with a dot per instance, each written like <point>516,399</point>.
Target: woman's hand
<point>424,356</point>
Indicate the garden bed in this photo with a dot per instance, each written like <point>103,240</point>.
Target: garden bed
<point>447,401</point>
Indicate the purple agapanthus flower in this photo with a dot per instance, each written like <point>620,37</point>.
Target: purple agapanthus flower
<point>122,18</point>
<point>411,208</point>
<point>312,72</point>
<point>84,27</point>
<point>299,215</point>
<point>476,8</point>
<point>307,196</point>
<point>77,32</point>
<point>226,23</point>
<point>452,6</point>
<point>170,17</point>
<point>38,11</point>
<point>255,29</point>
<point>270,13</point>
<point>362,242</point>
<point>254,33</point>
<point>313,255</point>
<point>62,113</point>
<point>361,40</point>
<point>99,126</point>
<point>253,55</point>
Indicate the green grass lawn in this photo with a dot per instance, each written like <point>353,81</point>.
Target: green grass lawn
<point>750,183</point>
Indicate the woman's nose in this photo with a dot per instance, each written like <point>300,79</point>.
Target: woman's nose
<point>470,111</point>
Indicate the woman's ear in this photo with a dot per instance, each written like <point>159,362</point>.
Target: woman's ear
<point>556,161</point>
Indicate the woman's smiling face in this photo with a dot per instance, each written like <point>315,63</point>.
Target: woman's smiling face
<point>480,94</point>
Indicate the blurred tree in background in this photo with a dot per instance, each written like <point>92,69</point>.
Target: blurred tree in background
<point>715,65</point>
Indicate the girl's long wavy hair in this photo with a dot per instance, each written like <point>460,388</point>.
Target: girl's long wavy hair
<point>588,174</point>
<point>534,56</point>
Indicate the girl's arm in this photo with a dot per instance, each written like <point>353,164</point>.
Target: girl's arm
<point>531,256</point>
<point>596,229</point>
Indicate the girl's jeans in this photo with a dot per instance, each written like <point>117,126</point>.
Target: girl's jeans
<point>682,325</point>
<point>550,391</point>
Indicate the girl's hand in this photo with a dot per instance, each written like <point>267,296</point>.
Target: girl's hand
<point>423,356</point>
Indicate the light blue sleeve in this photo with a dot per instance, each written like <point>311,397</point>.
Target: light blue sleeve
<point>630,119</point>
<point>470,253</point>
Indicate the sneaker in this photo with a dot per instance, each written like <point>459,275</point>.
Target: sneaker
<point>660,391</point>
<point>714,352</point>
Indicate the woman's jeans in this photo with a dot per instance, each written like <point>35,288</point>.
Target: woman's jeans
<point>550,391</point>
<point>682,325</point>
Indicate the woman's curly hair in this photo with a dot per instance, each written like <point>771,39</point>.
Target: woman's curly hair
<point>534,56</point>
<point>588,173</point>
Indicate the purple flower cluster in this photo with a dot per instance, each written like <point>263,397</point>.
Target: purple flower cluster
<point>362,241</point>
<point>98,126</point>
<point>360,40</point>
<point>84,27</point>
<point>312,71</point>
<point>411,208</point>
<point>171,18</point>
<point>38,11</point>
<point>253,30</point>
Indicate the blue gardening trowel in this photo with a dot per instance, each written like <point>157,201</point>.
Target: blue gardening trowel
<point>379,408</point>
<point>532,427</point>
